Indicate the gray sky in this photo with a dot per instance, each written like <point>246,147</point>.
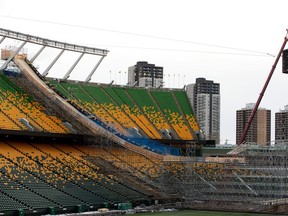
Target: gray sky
<point>226,41</point>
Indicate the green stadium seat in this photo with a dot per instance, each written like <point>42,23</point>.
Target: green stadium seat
<point>15,105</point>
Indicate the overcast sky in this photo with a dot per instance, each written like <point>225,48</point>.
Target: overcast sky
<point>230,42</point>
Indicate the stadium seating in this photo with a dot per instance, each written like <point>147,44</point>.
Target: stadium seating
<point>42,175</point>
<point>129,167</point>
<point>171,111</point>
<point>75,173</point>
<point>150,112</point>
<point>6,123</point>
<point>88,106</point>
<point>33,177</point>
<point>16,105</point>
<point>74,156</point>
<point>99,95</point>
<point>133,110</point>
<point>182,99</point>
<point>118,156</point>
<point>84,100</point>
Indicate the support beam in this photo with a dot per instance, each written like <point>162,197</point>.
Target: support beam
<point>25,38</point>
<point>53,62</point>
<point>52,43</point>
<point>37,54</point>
<point>93,70</point>
<point>2,39</point>
<point>66,76</point>
<point>12,55</point>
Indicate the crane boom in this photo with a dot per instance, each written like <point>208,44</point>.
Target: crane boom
<point>263,91</point>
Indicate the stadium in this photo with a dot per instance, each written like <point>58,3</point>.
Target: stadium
<point>70,147</point>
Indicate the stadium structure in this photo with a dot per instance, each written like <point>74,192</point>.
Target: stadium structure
<point>76,146</point>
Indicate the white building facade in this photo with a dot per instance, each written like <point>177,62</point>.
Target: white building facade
<point>204,97</point>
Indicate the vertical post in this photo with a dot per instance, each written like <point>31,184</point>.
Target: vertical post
<point>263,91</point>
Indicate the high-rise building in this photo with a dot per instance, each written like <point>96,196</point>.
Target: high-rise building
<point>144,74</point>
<point>281,125</point>
<point>259,131</point>
<point>204,97</point>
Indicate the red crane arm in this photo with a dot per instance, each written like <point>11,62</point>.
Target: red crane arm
<point>263,91</point>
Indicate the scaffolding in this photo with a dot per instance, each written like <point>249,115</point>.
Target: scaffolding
<point>249,178</point>
<point>254,180</point>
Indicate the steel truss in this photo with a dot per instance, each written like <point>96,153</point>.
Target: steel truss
<point>43,42</point>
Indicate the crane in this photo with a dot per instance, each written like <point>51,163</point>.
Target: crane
<point>263,91</point>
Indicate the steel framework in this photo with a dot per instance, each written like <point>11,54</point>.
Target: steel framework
<point>62,46</point>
